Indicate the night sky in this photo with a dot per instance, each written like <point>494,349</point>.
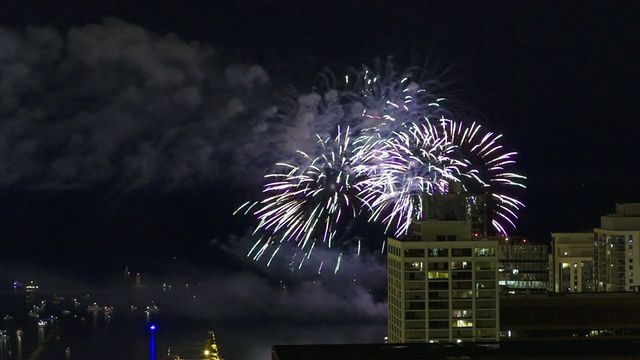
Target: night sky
<point>109,155</point>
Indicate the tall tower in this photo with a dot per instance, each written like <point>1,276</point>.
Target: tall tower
<point>442,276</point>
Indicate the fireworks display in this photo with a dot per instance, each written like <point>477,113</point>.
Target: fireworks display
<point>489,169</point>
<point>408,165</point>
<point>392,144</point>
<point>306,202</point>
<point>376,102</point>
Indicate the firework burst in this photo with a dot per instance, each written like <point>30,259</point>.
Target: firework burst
<point>394,144</point>
<point>305,203</point>
<point>381,99</point>
<point>490,170</point>
<point>414,162</point>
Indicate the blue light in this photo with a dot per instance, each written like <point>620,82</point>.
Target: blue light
<point>152,347</point>
<point>152,328</point>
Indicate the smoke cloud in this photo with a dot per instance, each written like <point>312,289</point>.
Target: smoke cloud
<point>313,292</point>
<point>245,296</point>
<point>113,103</point>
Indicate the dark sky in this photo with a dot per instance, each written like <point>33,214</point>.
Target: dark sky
<point>559,80</point>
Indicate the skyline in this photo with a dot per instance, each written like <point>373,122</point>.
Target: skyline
<point>544,81</point>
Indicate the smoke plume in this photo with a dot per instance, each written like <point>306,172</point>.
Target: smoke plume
<point>113,103</point>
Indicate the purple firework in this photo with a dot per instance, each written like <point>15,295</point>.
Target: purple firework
<point>304,203</point>
<point>402,169</point>
<point>489,170</point>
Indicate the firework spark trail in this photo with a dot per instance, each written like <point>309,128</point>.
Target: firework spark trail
<point>482,149</point>
<point>384,99</point>
<point>397,148</point>
<point>416,161</point>
<point>305,203</point>
<point>403,147</point>
<point>338,264</point>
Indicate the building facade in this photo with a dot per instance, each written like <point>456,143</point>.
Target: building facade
<point>613,249</point>
<point>505,350</point>
<point>570,316</point>
<point>572,262</point>
<point>442,276</point>
<point>523,267</point>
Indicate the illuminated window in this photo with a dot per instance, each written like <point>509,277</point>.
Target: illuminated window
<point>462,313</point>
<point>414,266</point>
<point>461,265</point>
<point>438,275</point>
<point>485,252</point>
<point>462,323</point>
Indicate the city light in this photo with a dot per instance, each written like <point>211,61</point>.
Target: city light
<point>152,346</point>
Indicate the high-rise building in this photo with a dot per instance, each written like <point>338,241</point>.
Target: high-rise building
<point>523,267</point>
<point>613,250</point>
<point>571,262</point>
<point>442,276</point>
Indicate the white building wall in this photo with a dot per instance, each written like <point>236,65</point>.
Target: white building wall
<point>443,291</point>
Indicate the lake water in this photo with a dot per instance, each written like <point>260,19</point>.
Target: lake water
<point>125,335</point>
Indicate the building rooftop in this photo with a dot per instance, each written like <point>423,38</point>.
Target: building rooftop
<point>573,233</point>
<point>569,349</point>
<point>627,210</point>
<point>572,315</point>
<point>577,295</point>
